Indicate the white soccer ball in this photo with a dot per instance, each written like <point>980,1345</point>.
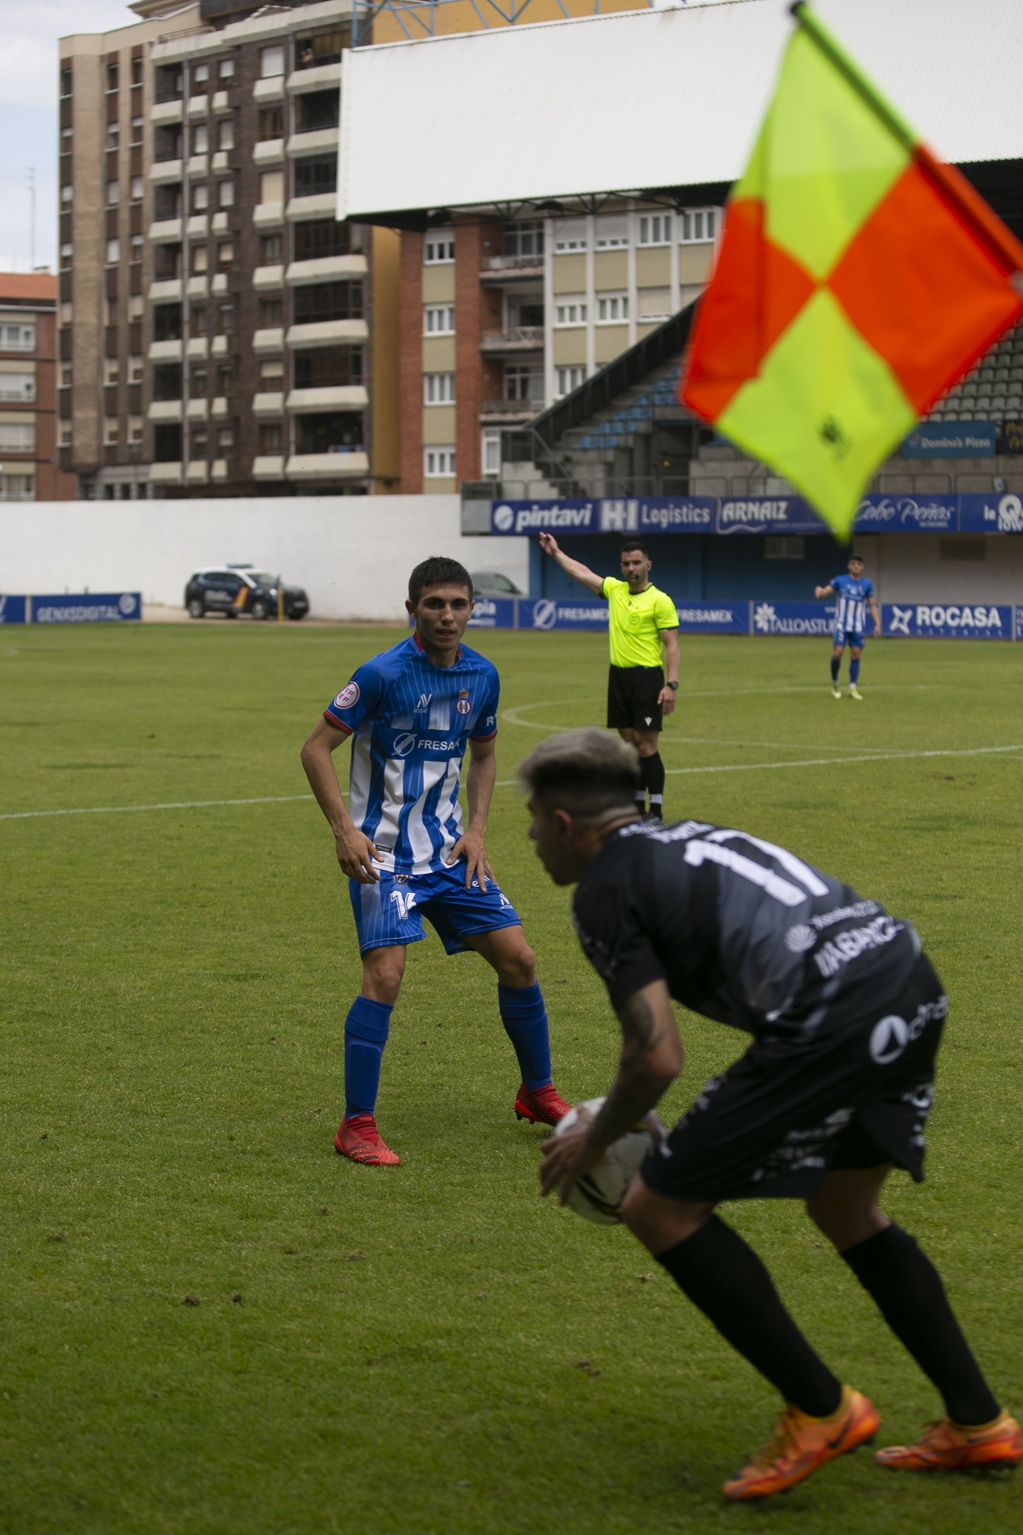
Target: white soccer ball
<point>598,1194</point>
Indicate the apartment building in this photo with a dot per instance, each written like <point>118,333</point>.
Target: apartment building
<point>501,317</point>
<point>28,390</point>
<point>220,332</point>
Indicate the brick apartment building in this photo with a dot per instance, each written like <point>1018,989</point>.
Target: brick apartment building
<point>220,331</point>
<point>28,390</point>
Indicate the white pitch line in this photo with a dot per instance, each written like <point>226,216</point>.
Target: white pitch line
<point>510,783</point>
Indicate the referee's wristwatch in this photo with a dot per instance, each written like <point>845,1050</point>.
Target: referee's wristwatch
<point>672,685</point>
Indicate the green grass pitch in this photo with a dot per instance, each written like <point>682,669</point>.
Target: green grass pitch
<point>214,1326</point>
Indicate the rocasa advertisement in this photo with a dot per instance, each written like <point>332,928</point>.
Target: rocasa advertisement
<point>729,516</point>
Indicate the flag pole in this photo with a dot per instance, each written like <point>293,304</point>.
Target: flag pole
<point>946,179</point>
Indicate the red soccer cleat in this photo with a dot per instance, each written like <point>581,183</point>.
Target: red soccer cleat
<point>947,1447</point>
<point>801,1445</point>
<point>542,1106</point>
<point>359,1140</point>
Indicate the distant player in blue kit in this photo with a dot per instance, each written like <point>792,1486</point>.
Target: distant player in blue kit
<point>854,594</point>
<point>411,714</point>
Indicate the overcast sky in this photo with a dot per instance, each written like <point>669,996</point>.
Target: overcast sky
<point>28,118</point>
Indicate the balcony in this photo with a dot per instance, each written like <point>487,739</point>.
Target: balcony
<point>197,287</point>
<point>165,351</point>
<point>197,472</point>
<point>170,111</point>
<point>327,333</point>
<point>165,230</point>
<point>319,77</point>
<point>266,214</point>
<point>270,89</point>
<point>165,170</point>
<point>198,226</point>
<point>510,410</point>
<point>271,340</point>
<point>502,269</point>
<point>343,464</point>
<point>328,397</point>
<point>325,269</point>
<point>313,139</point>
<point>268,404</point>
<point>166,473</point>
<point>268,467</point>
<point>317,205</point>
<point>198,165</point>
<point>265,277</point>
<point>518,338</point>
<point>164,288</point>
<point>268,152</point>
<point>198,410</point>
<point>166,410</point>
<point>198,106</point>
<point>198,346</point>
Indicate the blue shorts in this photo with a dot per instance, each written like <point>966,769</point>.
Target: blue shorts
<point>392,911</point>
<point>845,637</point>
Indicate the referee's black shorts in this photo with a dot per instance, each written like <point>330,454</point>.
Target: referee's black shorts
<point>787,1112</point>
<point>632,694</point>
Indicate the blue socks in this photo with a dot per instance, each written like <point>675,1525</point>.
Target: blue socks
<point>525,1020</point>
<point>854,673</point>
<point>366,1030</point>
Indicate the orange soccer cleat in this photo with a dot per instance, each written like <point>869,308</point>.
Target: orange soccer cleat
<point>541,1106</point>
<point>801,1445</point>
<point>359,1140</point>
<point>947,1446</point>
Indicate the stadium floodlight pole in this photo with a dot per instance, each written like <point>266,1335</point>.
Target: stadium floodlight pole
<point>946,180</point>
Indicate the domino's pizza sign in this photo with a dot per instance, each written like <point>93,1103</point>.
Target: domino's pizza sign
<point>951,620</point>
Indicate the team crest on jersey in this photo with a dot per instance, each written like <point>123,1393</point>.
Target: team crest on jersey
<point>462,704</point>
<point>348,696</point>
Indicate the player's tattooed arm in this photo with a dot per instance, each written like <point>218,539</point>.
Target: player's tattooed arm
<point>652,1057</point>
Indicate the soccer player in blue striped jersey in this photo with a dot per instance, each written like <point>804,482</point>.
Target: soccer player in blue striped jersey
<point>411,715</point>
<point>855,594</point>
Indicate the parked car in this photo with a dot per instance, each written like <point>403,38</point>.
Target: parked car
<point>238,589</point>
<point>491,583</point>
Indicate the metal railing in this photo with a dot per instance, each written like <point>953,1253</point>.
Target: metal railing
<point>517,335</point>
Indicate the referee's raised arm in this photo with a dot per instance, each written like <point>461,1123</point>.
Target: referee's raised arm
<point>574,568</point>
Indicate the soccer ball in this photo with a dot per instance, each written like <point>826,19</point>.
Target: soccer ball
<point>598,1194</point>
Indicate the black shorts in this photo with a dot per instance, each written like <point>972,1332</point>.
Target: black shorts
<point>632,694</point>
<point>787,1112</point>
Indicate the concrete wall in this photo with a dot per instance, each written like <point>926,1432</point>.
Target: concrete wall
<point>352,554</point>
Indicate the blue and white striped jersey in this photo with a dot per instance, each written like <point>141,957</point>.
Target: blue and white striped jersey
<point>410,723</point>
<point>851,603</point>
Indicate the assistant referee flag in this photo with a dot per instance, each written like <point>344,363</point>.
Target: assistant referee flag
<point>858,278</point>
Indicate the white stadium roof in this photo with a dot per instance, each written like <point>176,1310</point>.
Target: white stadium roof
<point>649,99</point>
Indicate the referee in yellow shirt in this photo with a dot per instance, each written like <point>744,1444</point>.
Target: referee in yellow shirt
<point>642,683</point>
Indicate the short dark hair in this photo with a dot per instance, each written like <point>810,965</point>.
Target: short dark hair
<point>588,772</point>
<point>857,557</point>
<point>634,543</point>
<point>438,570</point>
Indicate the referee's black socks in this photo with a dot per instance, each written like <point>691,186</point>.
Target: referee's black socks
<point>907,1290</point>
<point>651,778</point>
<point>727,1281</point>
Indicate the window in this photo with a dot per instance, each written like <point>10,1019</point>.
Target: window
<point>271,187</point>
<point>137,124</point>
<point>225,193</point>
<point>570,310</point>
<point>138,187</point>
<point>439,463</point>
<point>654,303</point>
<point>225,133</point>
<point>198,441</point>
<point>65,82</point>
<point>136,71</point>
<point>200,139</point>
<point>113,193</point>
<point>271,372</point>
<point>612,308</point>
<point>226,69</point>
<point>270,124</point>
<point>438,388</point>
<point>197,320</point>
<point>16,437</point>
<point>315,176</point>
<point>198,382</point>
<point>522,382</point>
<point>569,234</point>
<point>270,437</point>
<point>67,192</point>
<point>113,135</point>
<point>135,368</point>
<point>569,378</point>
<point>225,319</point>
<point>225,255</point>
<point>225,439</point>
<point>491,455</point>
<point>113,252</point>
<point>271,61</point>
<point>137,247</point>
<point>271,313</point>
<point>66,375</point>
<point>17,487</point>
<point>320,302</point>
<point>200,79</point>
<point>111,371</point>
<point>17,338</point>
<point>200,197</point>
<point>439,320</point>
<point>699,225</point>
<point>66,141</point>
<point>611,231</point>
<point>271,249</point>
<point>200,260</point>
<point>655,229</point>
<point>111,431</point>
<point>112,75</point>
<point>439,248</point>
<point>524,239</point>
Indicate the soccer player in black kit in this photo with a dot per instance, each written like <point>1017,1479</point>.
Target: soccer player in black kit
<point>846,1015</point>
